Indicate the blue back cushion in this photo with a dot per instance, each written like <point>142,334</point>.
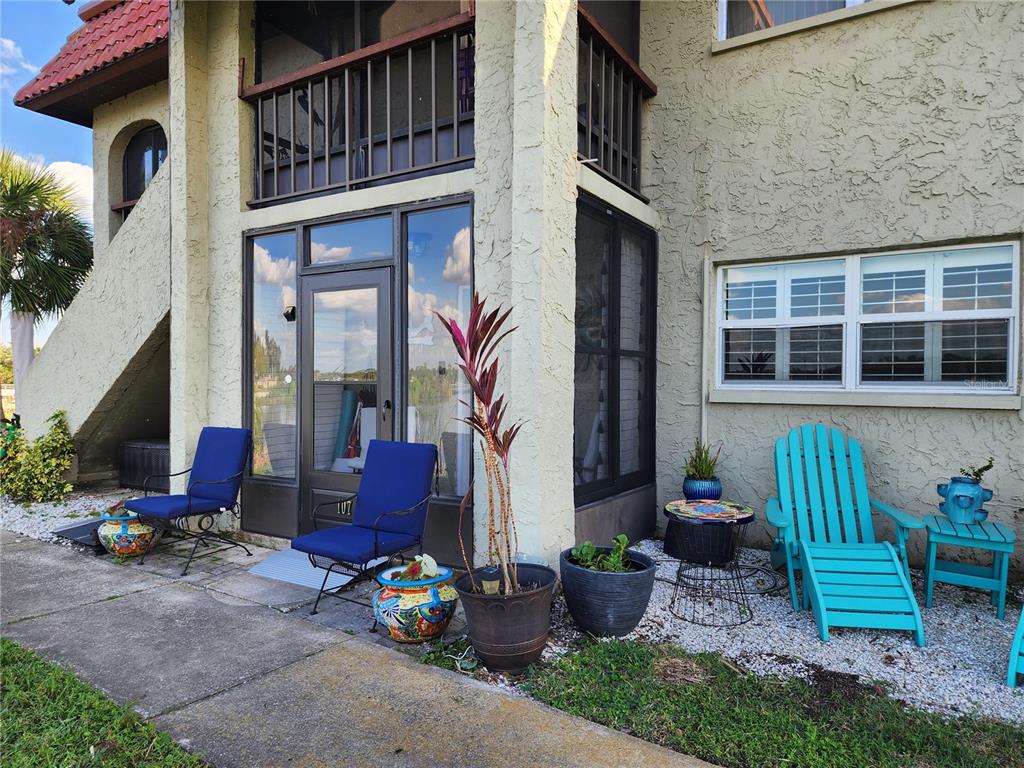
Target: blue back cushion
<point>396,476</point>
<point>222,452</point>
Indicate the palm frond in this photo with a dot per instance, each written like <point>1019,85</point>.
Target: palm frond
<point>45,245</point>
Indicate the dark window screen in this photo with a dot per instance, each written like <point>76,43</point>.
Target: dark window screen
<point>621,20</point>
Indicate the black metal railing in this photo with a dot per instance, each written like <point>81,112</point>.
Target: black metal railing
<point>611,93</point>
<point>398,109</point>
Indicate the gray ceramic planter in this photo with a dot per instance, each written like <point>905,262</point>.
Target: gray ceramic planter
<point>607,603</point>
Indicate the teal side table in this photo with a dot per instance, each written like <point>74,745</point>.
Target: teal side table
<point>994,537</point>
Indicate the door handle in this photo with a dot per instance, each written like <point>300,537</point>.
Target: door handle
<point>384,410</point>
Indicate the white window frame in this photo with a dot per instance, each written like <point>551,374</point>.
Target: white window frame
<point>723,18</point>
<point>853,319</point>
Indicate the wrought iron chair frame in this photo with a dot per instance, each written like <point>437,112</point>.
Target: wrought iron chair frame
<point>178,526</point>
<point>359,571</point>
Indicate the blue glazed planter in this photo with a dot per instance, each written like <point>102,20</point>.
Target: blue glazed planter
<point>963,499</point>
<point>702,489</point>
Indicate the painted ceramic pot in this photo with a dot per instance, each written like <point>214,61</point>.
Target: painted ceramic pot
<point>125,536</point>
<point>695,490</point>
<point>963,499</point>
<point>414,611</point>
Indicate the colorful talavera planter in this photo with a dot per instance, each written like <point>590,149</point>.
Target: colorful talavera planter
<point>414,611</point>
<point>125,536</point>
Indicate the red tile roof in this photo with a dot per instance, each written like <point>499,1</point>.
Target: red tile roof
<point>113,30</point>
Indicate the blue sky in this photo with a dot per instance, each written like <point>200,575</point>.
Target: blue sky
<point>31,33</point>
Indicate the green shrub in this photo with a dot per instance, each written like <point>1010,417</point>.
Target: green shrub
<point>35,472</point>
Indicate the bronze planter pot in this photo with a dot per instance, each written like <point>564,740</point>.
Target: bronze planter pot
<point>607,604</point>
<point>508,632</point>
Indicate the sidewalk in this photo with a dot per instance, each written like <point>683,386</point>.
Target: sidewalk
<point>245,684</point>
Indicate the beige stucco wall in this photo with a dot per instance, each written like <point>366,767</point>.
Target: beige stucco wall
<point>113,126</point>
<point>126,294</point>
<point>115,313</point>
<point>213,43</point>
<point>894,129</point>
<point>539,371</point>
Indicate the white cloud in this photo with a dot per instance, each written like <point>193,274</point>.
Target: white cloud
<point>319,252</point>
<point>456,263</point>
<point>271,270</point>
<point>287,296</point>
<point>14,67</point>
<point>79,178</point>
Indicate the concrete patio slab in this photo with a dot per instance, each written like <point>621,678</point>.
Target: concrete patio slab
<point>37,578</point>
<point>361,705</point>
<point>164,648</point>
<point>259,589</point>
<point>210,563</point>
<point>9,538</point>
<point>244,684</point>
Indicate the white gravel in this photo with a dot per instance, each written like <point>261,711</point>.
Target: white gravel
<point>961,670</point>
<point>38,521</point>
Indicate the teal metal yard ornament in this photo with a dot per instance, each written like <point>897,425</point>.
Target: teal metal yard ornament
<point>964,496</point>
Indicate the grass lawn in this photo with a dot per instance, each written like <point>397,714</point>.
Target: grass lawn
<point>698,705</point>
<point>51,719</point>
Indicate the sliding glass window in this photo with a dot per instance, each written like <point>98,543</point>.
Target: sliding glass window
<point>613,442</point>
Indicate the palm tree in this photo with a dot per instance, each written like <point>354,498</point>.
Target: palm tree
<point>45,251</point>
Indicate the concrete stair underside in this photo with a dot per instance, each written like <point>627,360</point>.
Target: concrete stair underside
<point>106,364</point>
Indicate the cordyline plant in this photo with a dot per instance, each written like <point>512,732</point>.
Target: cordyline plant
<point>477,348</point>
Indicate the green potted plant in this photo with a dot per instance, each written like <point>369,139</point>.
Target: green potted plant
<point>507,603</point>
<point>607,589</point>
<point>700,481</point>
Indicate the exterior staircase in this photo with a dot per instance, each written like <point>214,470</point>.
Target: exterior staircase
<point>107,362</point>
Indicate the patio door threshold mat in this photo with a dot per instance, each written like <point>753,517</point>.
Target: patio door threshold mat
<point>293,567</point>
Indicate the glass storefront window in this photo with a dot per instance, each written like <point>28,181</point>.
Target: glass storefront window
<point>348,241</point>
<point>274,376</point>
<point>440,255</point>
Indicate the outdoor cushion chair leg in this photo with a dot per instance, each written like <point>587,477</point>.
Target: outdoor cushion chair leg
<point>199,540</point>
<point>327,575</point>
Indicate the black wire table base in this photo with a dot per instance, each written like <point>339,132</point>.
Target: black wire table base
<point>760,580</point>
<point>710,596</point>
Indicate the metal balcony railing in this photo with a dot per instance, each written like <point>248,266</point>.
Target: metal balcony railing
<point>398,109</point>
<point>612,90</point>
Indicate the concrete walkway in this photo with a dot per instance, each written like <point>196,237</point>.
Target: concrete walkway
<point>243,683</point>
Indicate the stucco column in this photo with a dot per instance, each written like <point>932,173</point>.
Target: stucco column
<point>187,150</point>
<point>539,372</point>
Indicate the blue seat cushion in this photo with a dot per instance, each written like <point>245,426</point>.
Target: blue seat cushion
<point>172,507</point>
<point>353,543</point>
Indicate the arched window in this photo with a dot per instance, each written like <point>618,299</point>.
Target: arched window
<point>143,156</point>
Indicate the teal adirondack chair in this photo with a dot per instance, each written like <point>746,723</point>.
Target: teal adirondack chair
<point>1016,654</point>
<point>823,516</point>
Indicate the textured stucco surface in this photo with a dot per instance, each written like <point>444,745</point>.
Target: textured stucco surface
<point>188,158</point>
<point>89,354</point>
<point>91,351</point>
<point>113,126</point>
<point>898,128</point>
<point>542,259</point>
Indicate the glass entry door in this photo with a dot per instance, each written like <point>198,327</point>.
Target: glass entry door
<point>347,390</point>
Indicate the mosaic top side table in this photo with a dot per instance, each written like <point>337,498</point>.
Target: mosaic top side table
<point>709,587</point>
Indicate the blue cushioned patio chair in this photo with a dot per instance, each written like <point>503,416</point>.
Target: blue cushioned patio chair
<point>388,514</point>
<point>823,516</point>
<point>1016,654</point>
<point>214,480</point>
